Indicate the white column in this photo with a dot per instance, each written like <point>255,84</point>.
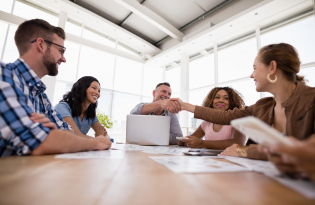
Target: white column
<point>164,74</point>
<point>50,81</point>
<point>62,19</point>
<point>216,73</point>
<point>184,87</point>
<point>257,31</point>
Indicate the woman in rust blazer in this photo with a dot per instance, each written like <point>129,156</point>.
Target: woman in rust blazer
<point>291,110</point>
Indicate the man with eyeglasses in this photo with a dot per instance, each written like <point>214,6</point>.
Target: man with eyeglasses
<point>162,105</point>
<point>28,122</point>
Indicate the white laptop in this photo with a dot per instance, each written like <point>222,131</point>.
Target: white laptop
<point>148,129</point>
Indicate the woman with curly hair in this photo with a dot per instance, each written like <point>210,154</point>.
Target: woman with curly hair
<point>78,107</point>
<point>218,136</point>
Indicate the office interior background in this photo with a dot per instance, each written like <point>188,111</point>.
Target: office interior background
<point>130,51</point>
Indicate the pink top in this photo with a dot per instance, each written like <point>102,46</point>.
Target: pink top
<point>224,134</point>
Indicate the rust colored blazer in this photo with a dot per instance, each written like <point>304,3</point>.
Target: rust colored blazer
<point>299,110</point>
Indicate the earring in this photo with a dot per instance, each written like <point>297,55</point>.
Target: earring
<point>272,81</point>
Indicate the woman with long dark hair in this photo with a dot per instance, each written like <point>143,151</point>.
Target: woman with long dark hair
<point>78,107</point>
<point>218,136</point>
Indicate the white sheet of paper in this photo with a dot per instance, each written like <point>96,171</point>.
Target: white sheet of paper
<point>174,150</point>
<point>187,164</point>
<point>306,188</point>
<point>131,147</point>
<point>261,166</point>
<point>103,154</point>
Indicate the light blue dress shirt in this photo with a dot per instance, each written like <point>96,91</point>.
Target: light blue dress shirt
<point>84,126</point>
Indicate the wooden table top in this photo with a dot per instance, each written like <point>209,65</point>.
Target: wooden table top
<point>135,179</point>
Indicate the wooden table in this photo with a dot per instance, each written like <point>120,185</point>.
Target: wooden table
<point>135,179</point>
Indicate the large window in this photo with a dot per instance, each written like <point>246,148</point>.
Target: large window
<point>95,36</point>
<point>62,88</point>
<point>128,76</point>
<point>236,61</point>
<point>122,106</point>
<point>68,71</point>
<point>196,98</point>
<point>73,28</point>
<point>300,34</point>
<point>104,102</point>
<point>6,6</point>
<point>172,76</point>
<point>309,75</point>
<point>151,77</point>
<point>98,64</point>
<point>201,72</point>
<point>247,89</point>
<point>11,53</point>
<point>30,12</point>
<point>3,33</point>
<point>123,48</point>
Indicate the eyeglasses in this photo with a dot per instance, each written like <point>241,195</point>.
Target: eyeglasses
<point>63,48</point>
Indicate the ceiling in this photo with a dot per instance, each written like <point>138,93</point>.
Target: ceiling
<point>175,12</point>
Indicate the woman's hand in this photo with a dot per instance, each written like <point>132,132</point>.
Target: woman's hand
<point>180,102</point>
<point>41,118</point>
<point>181,143</point>
<point>100,130</point>
<point>193,142</point>
<point>103,142</point>
<point>298,159</point>
<point>231,151</point>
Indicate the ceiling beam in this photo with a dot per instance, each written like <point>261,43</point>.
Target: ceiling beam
<point>151,17</point>
<point>204,53</point>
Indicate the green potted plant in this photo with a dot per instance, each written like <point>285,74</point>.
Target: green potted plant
<point>104,120</point>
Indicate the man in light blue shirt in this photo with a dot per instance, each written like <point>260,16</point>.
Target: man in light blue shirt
<point>162,105</point>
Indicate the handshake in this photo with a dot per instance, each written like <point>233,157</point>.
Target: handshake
<point>173,105</point>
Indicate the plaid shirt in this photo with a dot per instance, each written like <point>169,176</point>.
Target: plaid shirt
<point>22,93</point>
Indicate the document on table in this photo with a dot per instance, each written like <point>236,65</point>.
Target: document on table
<point>306,188</point>
<point>186,164</point>
<point>172,150</point>
<point>261,166</point>
<point>102,154</point>
<point>131,147</point>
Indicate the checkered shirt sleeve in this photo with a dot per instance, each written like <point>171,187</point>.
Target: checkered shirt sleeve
<point>18,134</point>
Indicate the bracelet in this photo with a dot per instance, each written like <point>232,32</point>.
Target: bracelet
<point>241,151</point>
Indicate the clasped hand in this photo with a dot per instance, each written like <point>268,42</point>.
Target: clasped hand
<point>173,105</point>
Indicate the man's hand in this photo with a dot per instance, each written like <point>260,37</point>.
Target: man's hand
<point>171,105</point>
<point>100,130</point>
<point>41,118</point>
<point>193,142</point>
<point>103,142</point>
<point>180,102</point>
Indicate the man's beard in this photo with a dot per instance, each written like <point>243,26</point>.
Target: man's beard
<point>50,63</point>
